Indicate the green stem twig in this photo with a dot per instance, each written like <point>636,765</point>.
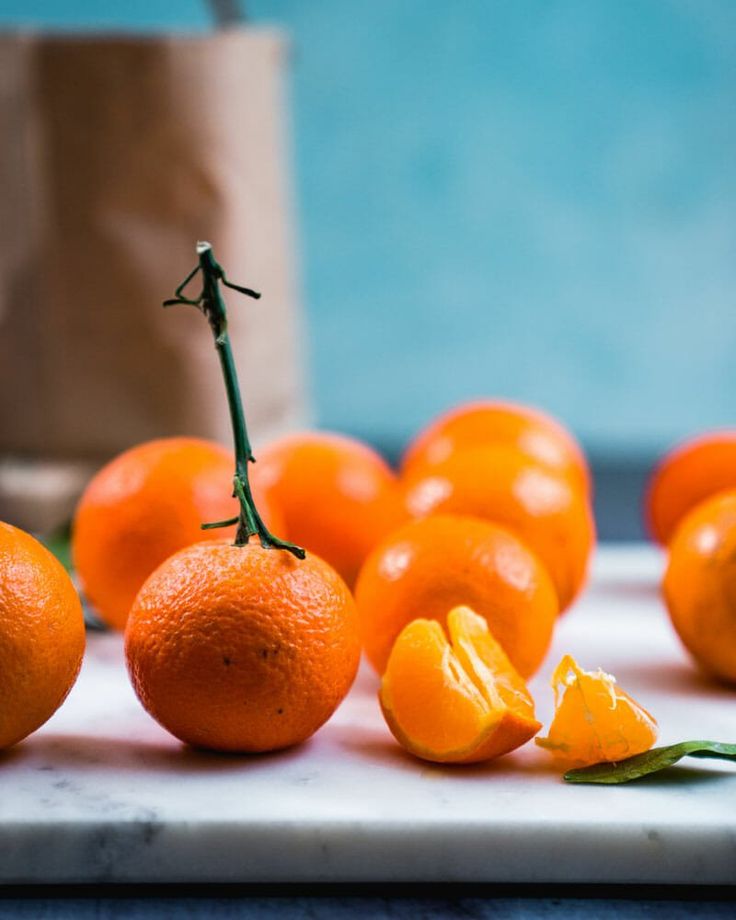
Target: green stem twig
<point>211,304</point>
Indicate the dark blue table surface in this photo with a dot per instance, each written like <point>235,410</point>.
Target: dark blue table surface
<point>426,902</point>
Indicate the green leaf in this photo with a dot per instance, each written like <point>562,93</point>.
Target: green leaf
<point>59,542</point>
<point>624,771</point>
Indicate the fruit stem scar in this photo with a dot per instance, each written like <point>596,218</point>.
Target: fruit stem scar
<point>211,304</point>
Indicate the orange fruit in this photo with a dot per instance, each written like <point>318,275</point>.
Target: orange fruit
<point>502,484</point>
<point>595,720</point>
<point>338,497</point>
<point>427,567</point>
<point>241,648</point>
<point>491,421</point>
<point>459,701</point>
<point>41,635</point>
<point>700,584</point>
<point>144,505</point>
<point>687,475</point>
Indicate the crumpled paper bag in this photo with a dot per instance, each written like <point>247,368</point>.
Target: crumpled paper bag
<point>117,155</point>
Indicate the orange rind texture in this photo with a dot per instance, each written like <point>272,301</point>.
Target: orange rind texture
<point>487,422</point>
<point>456,700</point>
<point>242,648</point>
<point>337,496</point>
<point>699,585</point>
<point>504,485</point>
<point>145,505</point>
<point>433,564</point>
<point>595,720</point>
<point>42,635</point>
<point>689,474</point>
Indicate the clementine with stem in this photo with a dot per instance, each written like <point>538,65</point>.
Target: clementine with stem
<point>247,646</point>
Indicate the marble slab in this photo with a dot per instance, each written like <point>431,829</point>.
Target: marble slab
<point>102,794</point>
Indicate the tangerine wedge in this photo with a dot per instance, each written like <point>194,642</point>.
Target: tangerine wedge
<point>456,701</point>
<point>594,719</point>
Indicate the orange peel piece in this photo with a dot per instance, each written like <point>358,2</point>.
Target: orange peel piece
<point>595,720</point>
<point>456,700</point>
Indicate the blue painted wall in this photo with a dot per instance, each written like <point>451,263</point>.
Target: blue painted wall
<point>535,199</point>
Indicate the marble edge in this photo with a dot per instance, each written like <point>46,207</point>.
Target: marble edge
<point>152,851</point>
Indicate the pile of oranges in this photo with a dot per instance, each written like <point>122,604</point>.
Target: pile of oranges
<point>486,531</point>
<point>691,511</point>
<point>449,574</point>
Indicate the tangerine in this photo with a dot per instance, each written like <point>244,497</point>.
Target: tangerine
<point>492,421</point>
<point>338,497</point>
<point>700,584</point>
<point>141,507</point>
<point>595,720</point>
<point>504,485</point>
<point>686,476</point>
<point>242,648</point>
<point>460,701</point>
<point>428,566</point>
<point>41,634</point>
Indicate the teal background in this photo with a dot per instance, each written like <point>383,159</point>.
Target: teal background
<point>534,199</point>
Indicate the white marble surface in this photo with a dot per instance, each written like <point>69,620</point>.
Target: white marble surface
<point>101,793</point>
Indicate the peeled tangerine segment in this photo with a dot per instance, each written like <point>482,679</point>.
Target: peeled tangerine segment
<point>594,721</point>
<point>459,700</point>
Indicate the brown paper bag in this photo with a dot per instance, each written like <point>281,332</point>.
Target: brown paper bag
<point>116,155</point>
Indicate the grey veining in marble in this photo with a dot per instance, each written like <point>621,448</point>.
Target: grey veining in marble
<point>101,793</point>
